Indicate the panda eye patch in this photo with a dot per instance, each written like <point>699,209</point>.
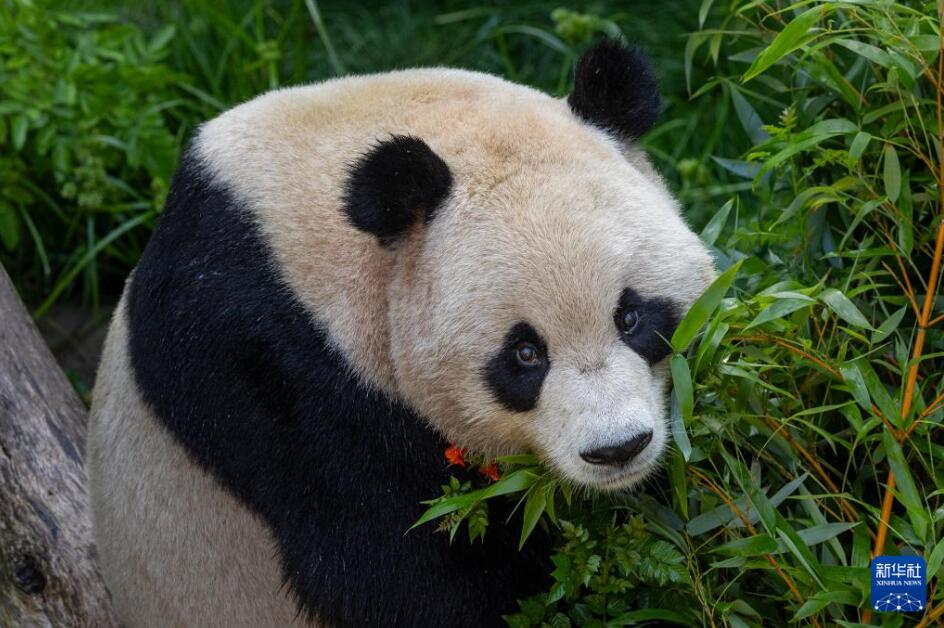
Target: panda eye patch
<point>518,368</point>
<point>645,325</point>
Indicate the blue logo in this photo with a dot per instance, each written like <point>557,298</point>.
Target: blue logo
<point>899,584</point>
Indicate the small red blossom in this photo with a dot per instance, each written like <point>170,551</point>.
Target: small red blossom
<point>455,456</point>
<point>490,471</point>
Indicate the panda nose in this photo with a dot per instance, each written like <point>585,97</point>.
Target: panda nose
<point>618,455</point>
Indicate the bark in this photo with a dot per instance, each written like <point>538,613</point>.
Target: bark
<point>47,559</point>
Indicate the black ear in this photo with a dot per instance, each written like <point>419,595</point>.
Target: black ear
<point>389,188</point>
<point>615,88</point>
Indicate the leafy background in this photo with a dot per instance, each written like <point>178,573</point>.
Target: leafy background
<point>805,142</point>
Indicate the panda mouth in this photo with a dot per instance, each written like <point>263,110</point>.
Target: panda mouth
<point>623,478</point>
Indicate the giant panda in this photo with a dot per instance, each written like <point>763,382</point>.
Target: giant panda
<point>347,277</point>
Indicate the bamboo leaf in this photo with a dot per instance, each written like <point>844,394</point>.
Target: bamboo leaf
<point>891,174</point>
<point>906,489</point>
<point>843,307</point>
<point>703,308</point>
<point>797,33</point>
<point>709,235</point>
<point>534,507</point>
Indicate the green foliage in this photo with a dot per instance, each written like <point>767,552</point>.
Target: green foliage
<point>804,141</point>
<point>86,146</point>
<point>98,97</point>
<point>802,377</point>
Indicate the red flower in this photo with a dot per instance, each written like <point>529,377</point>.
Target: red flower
<point>455,456</point>
<point>490,471</point>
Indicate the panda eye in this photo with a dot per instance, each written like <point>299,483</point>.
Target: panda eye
<point>527,354</point>
<point>627,319</point>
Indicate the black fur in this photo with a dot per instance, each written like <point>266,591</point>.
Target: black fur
<point>615,88</point>
<point>658,319</point>
<point>515,386</point>
<point>393,185</point>
<point>239,373</point>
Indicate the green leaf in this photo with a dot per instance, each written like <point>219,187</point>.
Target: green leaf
<point>870,52</point>
<point>679,433</point>
<point>709,235</point>
<point>758,545</point>
<point>823,532</point>
<point>161,38</point>
<point>889,326</point>
<point>906,490</point>
<point>748,116</point>
<point>513,482</point>
<point>703,308</point>
<point>703,12</point>
<point>9,226</point>
<point>935,560</point>
<point>796,34</point>
<point>843,307</point>
<point>534,507</point>
<point>859,143</point>
<point>892,173</point>
<point>879,393</point>
<point>682,386</point>
<point>18,131</point>
<point>778,309</point>
<point>853,378</point>
<point>823,599</point>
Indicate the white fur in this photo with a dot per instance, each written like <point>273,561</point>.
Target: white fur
<point>549,220</point>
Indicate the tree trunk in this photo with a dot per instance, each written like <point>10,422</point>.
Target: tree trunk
<point>47,559</point>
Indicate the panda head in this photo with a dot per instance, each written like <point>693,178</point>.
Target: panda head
<point>538,272</point>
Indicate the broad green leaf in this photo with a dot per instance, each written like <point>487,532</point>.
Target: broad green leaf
<point>161,38</point>
<point>9,226</point>
<point>815,535</point>
<point>891,175</point>
<point>853,378</point>
<point>801,552</point>
<point>843,307</point>
<point>748,546</point>
<point>682,386</point>
<point>907,491</point>
<point>823,599</point>
<point>879,393</point>
<point>748,116</point>
<point>859,143</point>
<point>796,34</point>
<point>778,309</point>
<point>889,326</point>
<point>679,480</point>
<point>703,12</point>
<point>534,507</point>
<point>18,131</point>
<point>935,560</point>
<point>870,52</point>
<point>513,482</point>
<point>679,433</point>
<point>703,307</point>
<point>709,235</point>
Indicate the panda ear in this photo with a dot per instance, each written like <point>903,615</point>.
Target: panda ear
<point>615,88</point>
<point>399,181</point>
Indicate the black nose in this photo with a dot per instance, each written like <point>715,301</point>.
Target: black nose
<point>618,455</point>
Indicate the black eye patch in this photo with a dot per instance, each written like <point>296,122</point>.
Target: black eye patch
<point>517,385</point>
<point>657,320</point>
